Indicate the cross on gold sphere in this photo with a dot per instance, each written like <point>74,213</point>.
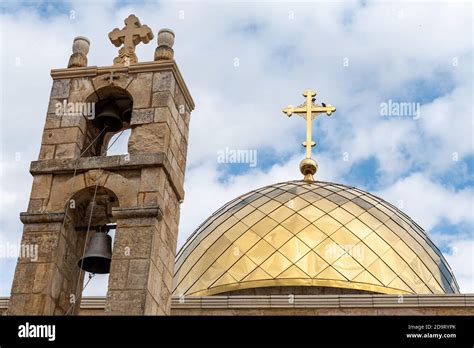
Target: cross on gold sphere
<point>309,110</point>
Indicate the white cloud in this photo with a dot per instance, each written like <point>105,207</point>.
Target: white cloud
<point>429,203</point>
<point>282,49</point>
<point>449,120</point>
<point>461,260</point>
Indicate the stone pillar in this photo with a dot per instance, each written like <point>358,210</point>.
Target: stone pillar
<point>64,132</point>
<point>162,127</point>
<point>45,280</point>
<point>80,48</point>
<point>133,281</point>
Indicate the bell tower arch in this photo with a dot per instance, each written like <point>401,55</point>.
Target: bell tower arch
<point>111,112</point>
<point>77,187</point>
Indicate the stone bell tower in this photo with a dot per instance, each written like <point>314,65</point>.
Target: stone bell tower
<point>76,186</point>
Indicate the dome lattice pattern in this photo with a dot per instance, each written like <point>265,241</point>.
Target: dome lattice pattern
<point>311,234</point>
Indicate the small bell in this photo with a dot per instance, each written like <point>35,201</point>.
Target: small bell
<point>109,118</point>
<point>98,254</point>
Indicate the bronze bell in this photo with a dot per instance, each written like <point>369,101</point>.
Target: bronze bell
<point>127,114</point>
<point>109,117</point>
<point>98,254</point>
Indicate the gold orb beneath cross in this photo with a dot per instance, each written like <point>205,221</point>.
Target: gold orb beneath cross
<point>308,168</point>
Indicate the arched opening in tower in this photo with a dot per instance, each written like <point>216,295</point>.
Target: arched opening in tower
<point>109,125</point>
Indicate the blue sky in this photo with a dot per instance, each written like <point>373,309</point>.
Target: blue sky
<point>356,55</point>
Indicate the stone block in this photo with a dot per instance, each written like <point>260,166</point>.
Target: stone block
<point>54,105</point>
<point>61,247</point>
<point>187,118</point>
<point>163,311</point>
<point>164,238</point>
<point>125,302</point>
<point>126,189</point>
<point>150,199</point>
<point>23,280</point>
<point>74,121</point>
<point>137,222</point>
<point>39,246</point>
<point>133,242</point>
<point>181,125</point>
<point>184,146</point>
<point>60,88</point>
<point>54,227</point>
<point>175,133</point>
<point>41,186</point>
<point>70,150</point>
<point>42,278</point>
<point>185,132</point>
<point>140,90</point>
<point>138,273</point>
<point>46,152</point>
<point>52,121</point>
<point>56,283</point>
<point>151,306</point>
<point>164,81</point>
<point>163,114</point>
<point>118,273</point>
<point>35,205</point>
<point>174,147</point>
<point>152,179</point>
<point>62,190</point>
<point>101,82</point>
<point>172,258</point>
<point>168,281</point>
<point>17,304</point>
<point>154,281</point>
<point>176,173</point>
<point>81,89</point>
<point>161,99</point>
<point>140,116</point>
<point>152,137</point>
<point>64,304</point>
<point>95,177</point>
<point>168,257</point>
<point>39,304</point>
<point>165,295</point>
<point>181,161</point>
<point>62,136</point>
<point>179,100</point>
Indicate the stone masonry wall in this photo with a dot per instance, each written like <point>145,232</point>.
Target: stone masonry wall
<point>148,183</point>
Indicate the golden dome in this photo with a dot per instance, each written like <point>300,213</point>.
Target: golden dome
<point>320,234</point>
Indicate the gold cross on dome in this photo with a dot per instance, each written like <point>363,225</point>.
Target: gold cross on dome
<point>309,110</point>
<point>131,35</point>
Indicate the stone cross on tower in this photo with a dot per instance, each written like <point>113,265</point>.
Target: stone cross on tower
<point>309,110</point>
<point>131,35</point>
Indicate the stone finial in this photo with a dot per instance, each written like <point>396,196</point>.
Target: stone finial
<point>80,48</point>
<point>131,35</point>
<point>164,51</point>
